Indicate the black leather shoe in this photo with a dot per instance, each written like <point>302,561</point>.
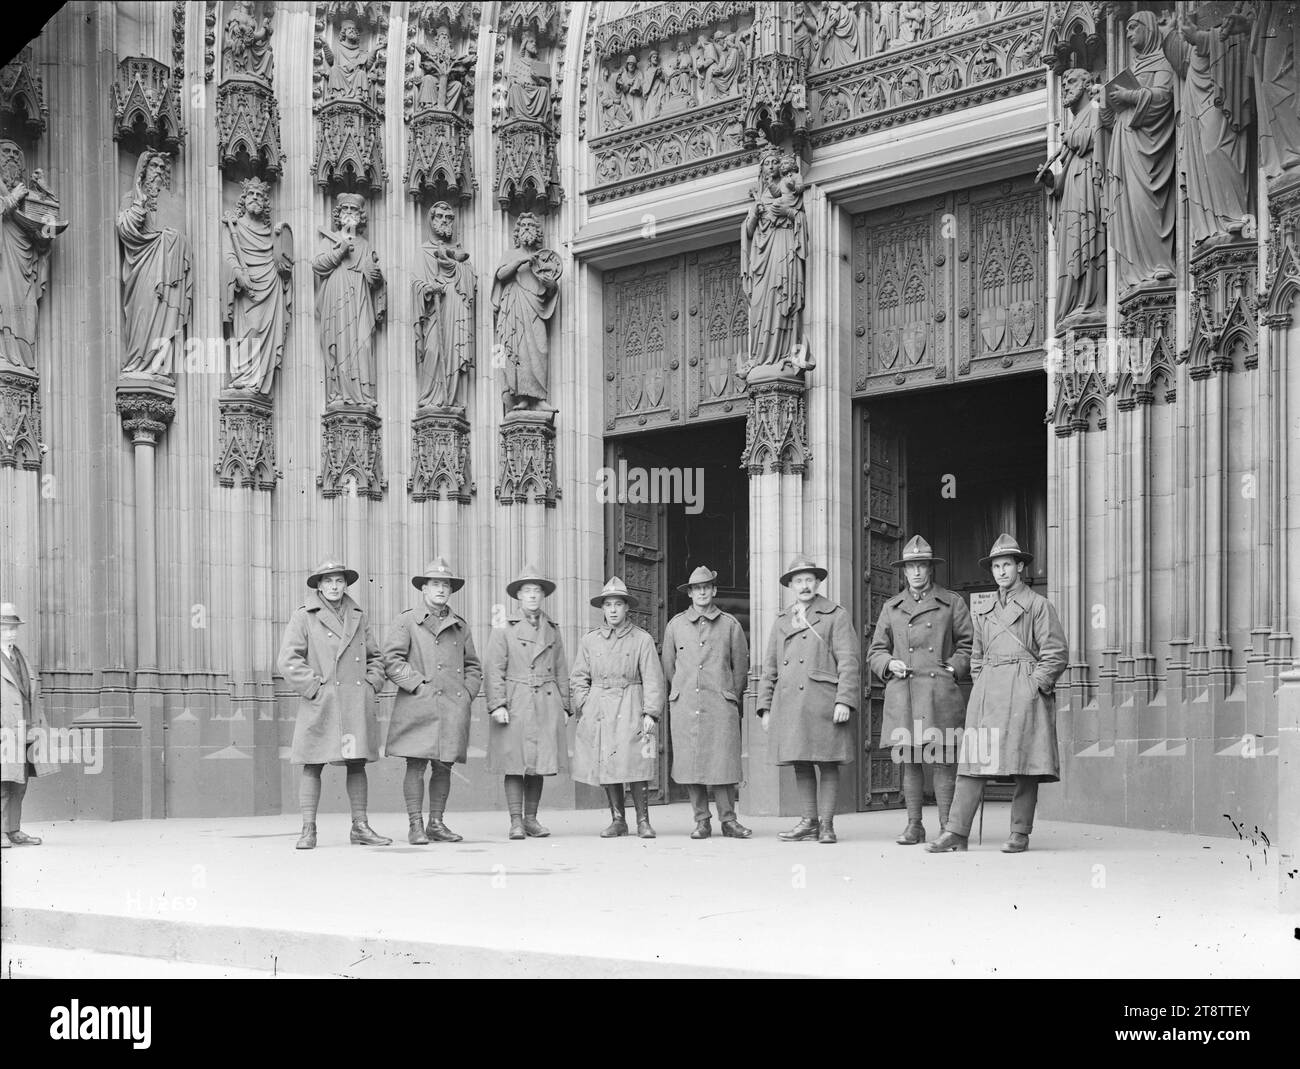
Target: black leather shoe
<point>364,835</point>
<point>948,842</point>
<point>21,838</point>
<point>535,830</point>
<point>805,831</point>
<point>703,829</point>
<point>827,832</point>
<point>1017,844</point>
<point>617,827</point>
<point>734,829</point>
<point>913,835</point>
<point>644,830</point>
<point>438,832</point>
<point>307,840</point>
<point>415,833</point>
<point>517,828</point>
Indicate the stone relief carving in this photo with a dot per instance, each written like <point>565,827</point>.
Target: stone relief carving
<point>348,94</point>
<point>157,270</point>
<point>527,178</point>
<point>773,259</point>
<point>1275,44</point>
<point>1217,107</point>
<point>351,300</point>
<point>440,99</point>
<point>444,295</point>
<point>22,94</point>
<point>1142,161</point>
<point>524,293</point>
<point>248,116</point>
<point>1074,179</point>
<point>29,223</point>
<point>258,289</point>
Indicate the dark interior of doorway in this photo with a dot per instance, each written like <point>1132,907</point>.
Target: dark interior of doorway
<point>964,464</point>
<point>655,546</point>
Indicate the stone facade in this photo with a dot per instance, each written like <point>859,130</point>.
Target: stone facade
<point>903,140</point>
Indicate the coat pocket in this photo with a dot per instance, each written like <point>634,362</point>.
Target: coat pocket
<point>821,676</point>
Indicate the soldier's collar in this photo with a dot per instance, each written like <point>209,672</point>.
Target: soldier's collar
<point>623,629</point>
<point>711,613</point>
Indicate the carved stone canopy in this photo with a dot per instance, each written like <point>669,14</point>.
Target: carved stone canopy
<point>352,455</point>
<point>248,128</point>
<point>22,95</point>
<point>20,421</point>
<point>146,102</point>
<point>246,442</point>
<point>527,466</point>
<point>349,147</point>
<point>776,430</point>
<point>440,456</point>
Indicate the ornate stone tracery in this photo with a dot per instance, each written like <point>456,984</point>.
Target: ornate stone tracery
<point>439,99</point>
<point>348,92</point>
<point>248,116</point>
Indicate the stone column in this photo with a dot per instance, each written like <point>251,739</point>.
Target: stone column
<point>776,456</point>
<point>21,451</point>
<point>147,406</point>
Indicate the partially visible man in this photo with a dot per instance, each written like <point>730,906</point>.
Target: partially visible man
<point>920,650</point>
<point>706,663</point>
<point>20,716</point>
<point>1019,653</point>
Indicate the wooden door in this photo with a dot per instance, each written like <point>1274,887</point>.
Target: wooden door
<point>636,554</point>
<point>881,447</point>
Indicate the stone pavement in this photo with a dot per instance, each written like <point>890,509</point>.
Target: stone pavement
<point>232,896</point>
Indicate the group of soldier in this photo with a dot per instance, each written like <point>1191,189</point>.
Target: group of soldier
<point>619,687</point>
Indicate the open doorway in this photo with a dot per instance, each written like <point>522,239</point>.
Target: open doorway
<point>684,501</point>
<point>958,466</point>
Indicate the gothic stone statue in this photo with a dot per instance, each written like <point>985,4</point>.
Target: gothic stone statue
<point>1275,44</point>
<point>528,95</point>
<point>442,84</point>
<point>350,304</point>
<point>27,230</point>
<point>1078,191</point>
<point>157,269</point>
<point>524,292</point>
<point>257,282</point>
<point>1142,161</point>
<point>1218,111</point>
<point>773,258</point>
<point>246,50</point>
<point>444,307</point>
<point>349,65</point>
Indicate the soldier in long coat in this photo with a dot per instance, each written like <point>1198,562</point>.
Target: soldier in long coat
<point>429,653</point>
<point>706,664</point>
<point>921,648</point>
<point>526,677</point>
<point>811,684</point>
<point>617,689</point>
<point>21,724</point>
<point>329,658</point>
<point>1019,653</point>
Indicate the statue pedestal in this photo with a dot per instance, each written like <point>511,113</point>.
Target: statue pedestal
<point>526,173</point>
<point>349,146</point>
<point>776,456</point>
<point>352,453</point>
<point>526,480</point>
<point>437,147</point>
<point>248,124</point>
<point>246,441</point>
<point>440,455</point>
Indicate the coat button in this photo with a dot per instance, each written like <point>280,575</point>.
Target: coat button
<point>931,675</point>
<point>801,686</point>
<point>785,662</point>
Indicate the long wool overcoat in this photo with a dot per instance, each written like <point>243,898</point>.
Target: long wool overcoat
<point>433,662</point>
<point>525,670</point>
<point>706,663</point>
<point>1019,653</point>
<point>812,663</point>
<point>925,635</point>
<point>22,721</point>
<point>331,662</point>
<point>615,680</point>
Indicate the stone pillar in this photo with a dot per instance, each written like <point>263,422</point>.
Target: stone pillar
<point>440,472</point>
<point>1288,792</point>
<point>526,480</point>
<point>776,456</point>
<point>147,406</point>
<point>21,451</point>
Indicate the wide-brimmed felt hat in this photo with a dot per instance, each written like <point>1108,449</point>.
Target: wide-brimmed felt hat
<point>1005,546</point>
<point>438,568</point>
<point>9,614</point>
<point>917,549</point>
<point>802,563</point>
<point>702,574</point>
<point>328,566</point>
<point>529,574</point>
<point>615,588</point>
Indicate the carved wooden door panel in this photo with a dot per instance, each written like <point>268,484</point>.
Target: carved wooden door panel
<point>643,345</point>
<point>636,553</point>
<point>882,452</point>
<point>717,333</point>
